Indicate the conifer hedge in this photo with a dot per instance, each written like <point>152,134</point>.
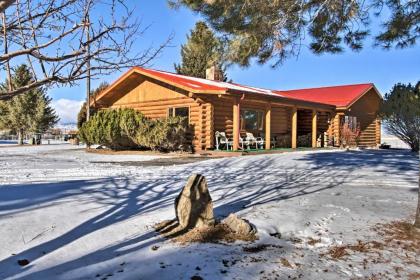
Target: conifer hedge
<point>128,129</point>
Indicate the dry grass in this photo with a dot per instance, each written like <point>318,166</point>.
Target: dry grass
<point>206,234</point>
<point>394,235</point>
<point>285,263</point>
<point>414,276</point>
<point>337,252</point>
<point>400,234</point>
<point>313,241</point>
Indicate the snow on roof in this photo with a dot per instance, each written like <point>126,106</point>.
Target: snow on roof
<point>204,84</point>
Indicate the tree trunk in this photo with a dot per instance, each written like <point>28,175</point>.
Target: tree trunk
<point>417,222</point>
<point>20,137</point>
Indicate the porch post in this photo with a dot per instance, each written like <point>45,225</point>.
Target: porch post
<point>337,128</point>
<point>268,127</point>
<point>294,128</point>
<point>236,123</point>
<point>314,129</point>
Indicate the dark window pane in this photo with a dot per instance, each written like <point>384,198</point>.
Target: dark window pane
<point>182,112</point>
<point>251,120</point>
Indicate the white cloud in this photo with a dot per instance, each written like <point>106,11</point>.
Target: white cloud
<point>67,109</point>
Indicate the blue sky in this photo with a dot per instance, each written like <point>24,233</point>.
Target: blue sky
<point>384,68</point>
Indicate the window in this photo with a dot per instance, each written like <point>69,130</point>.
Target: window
<point>351,122</point>
<point>180,112</point>
<point>252,120</point>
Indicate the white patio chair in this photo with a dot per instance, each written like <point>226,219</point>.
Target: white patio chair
<point>274,142</point>
<point>222,139</point>
<point>258,141</point>
<point>243,142</point>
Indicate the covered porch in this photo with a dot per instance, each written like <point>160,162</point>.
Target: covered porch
<point>269,124</point>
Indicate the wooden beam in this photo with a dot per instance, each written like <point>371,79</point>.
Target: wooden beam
<point>268,127</point>
<point>294,128</point>
<point>314,128</point>
<point>236,123</point>
<point>337,127</point>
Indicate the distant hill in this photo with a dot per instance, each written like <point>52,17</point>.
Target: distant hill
<point>66,126</point>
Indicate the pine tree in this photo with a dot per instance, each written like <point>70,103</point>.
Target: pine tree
<point>202,51</point>
<point>401,114</point>
<point>272,31</point>
<point>81,116</point>
<point>26,113</point>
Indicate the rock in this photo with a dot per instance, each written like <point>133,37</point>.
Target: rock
<point>23,262</point>
<point>194,206</point>
<point>276,234</point>
<point>239,226</point>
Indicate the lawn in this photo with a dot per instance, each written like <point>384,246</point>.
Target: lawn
<point>77,215</point>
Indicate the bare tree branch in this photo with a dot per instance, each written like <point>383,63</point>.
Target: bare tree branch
<point>50,36</point>
<point>4,4</point>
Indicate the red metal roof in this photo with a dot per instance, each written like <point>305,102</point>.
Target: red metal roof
<point>340,96</point>
<point>183,80</point>
<point>203,84</point>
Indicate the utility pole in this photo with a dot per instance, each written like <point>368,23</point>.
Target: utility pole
<point>87,29</point>
<point>9,75</point>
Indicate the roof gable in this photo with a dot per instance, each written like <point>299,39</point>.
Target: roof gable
<point>339,96</point>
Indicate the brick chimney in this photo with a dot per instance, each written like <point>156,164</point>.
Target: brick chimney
<point>213,73</point>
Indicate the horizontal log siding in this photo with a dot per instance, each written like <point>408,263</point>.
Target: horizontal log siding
<point>304,122</point>
<point>366,110</point>
<point>206,131</point>
<point>223,115</point>
<point>368,136</point>
<point>323,119</point>
<point>158,109</point>
<point>336,129</point>
<point>154,100</point>
<point>280,120</point>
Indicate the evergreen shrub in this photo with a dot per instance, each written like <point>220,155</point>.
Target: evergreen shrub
<point>128,128</point>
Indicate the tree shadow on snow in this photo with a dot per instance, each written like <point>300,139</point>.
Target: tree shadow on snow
<point>234,183</point>
<point>384,162</point>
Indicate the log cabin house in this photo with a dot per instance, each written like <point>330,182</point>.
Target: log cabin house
<point>288,119</point>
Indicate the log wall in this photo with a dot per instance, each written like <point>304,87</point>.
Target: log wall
<point>366,110</point>
<point>210,113</point>
<point>154,100</point>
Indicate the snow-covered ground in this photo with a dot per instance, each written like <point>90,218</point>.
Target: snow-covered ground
<point>87,216</point>
<point>394,142</point>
